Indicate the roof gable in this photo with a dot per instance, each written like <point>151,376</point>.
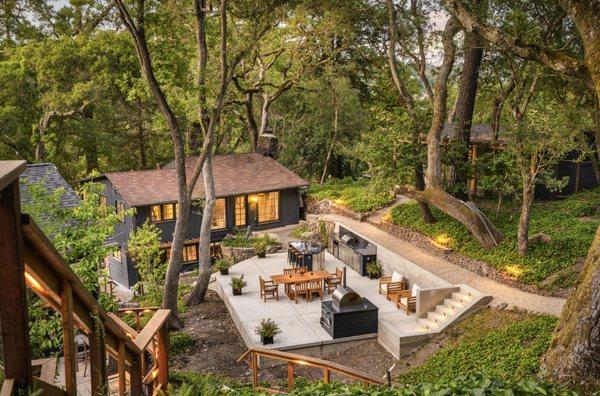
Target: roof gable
<point>235,174</point>
<point>48,175</point>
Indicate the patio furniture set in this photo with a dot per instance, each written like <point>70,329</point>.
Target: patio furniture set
<point>300,282</point>
<point>394,289</point>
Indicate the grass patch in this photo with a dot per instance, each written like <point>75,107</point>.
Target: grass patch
<point>497,344</point>
<point>571,223</point>
<point>356,195</point>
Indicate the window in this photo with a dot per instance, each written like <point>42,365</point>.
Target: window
<point>240,211</point>
<point>190,253</point>
<point>120,207</point>
<point>268,206</point>
<point>218,217</point>
<point>163,212</point>
<point>103,201</point>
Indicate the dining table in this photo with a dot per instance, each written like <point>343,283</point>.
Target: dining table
<point>301,277</point>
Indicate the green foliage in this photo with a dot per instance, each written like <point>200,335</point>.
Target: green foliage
<point>374,267</point>
<point>179,342</point>
<point>356,195</point>
<point>238,282</point>
<point>144,248</point>
<point>267,328</point>
<point>81,244</point>
<point>511,354</point>
<point>240,240</point>
<point>260,246</point>
<point>561,220</point>
<point>221,264</point>
<point>193,384</point>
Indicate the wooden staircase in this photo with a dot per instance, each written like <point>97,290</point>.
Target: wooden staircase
<point>28,259</point>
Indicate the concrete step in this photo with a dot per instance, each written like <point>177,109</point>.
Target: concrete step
<point>445,311</point>
<point>436,317</point>
<point>453,305</point>
<point>428,325</point>
<point>462,297</point>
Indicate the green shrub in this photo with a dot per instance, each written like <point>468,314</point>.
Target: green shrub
<point>360,196</point>
<point>240,240</point>
<point>192,384</point>
<point>511,353</point>
<point>571,237</point>
<point>180,342</point>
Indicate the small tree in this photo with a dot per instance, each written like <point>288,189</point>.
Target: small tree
<point>144,248</point>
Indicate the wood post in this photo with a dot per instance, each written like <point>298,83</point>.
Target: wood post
<point>473,188</point>
<point>254,370</point>
<point>121,368</point>
<point>163,356</point>
<point>578,177</point>
<point>69,350</point>
<point>13,309</point>
<point>326,375</point>
<point>290,376</point>
<point>97,360</point>
<point>135,377</point>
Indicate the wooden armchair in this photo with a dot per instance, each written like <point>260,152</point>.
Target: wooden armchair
<point>333,282</point>
<point>315,286</point>
<point>405,300</point>
<point>300,289</point>
<point>387,287</point>
<point>268,288</point>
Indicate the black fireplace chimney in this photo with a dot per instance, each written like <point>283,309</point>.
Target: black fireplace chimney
<point>344,278</point>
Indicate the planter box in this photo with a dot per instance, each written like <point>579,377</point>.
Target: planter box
<point>266,340</point>
<point>237,292</point>
<point>261,255</point>
<point>224,271</point>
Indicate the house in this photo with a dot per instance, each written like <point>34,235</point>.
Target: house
<point>47,175</point>
<point>577,167</point>
<point>251,189</point>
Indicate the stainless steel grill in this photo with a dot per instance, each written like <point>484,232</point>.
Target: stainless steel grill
<point>345,297</point>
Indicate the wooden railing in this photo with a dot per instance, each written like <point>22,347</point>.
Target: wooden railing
<point>137,312</point>
<point>252,355</point>
<point>27,258</point>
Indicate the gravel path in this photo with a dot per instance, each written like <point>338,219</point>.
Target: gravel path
<point>454,274</point>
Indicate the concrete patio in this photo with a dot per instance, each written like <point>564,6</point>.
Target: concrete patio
<point>299,323</point>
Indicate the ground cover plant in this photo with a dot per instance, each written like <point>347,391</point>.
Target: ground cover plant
<point>360,196</point>
<point>570,223</point>
<point>190,384</point>
<point>503,345</point>
<point>241,240</point>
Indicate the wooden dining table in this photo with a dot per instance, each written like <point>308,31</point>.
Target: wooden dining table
<point>298,277</point>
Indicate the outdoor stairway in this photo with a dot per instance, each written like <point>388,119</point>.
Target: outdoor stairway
<point>401,338</point>
<point>447,311</point>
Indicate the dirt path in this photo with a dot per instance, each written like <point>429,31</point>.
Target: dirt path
<point>452,273</point>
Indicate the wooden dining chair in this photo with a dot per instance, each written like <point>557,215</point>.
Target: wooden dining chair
<point>300,289</point>
<point>289,271</point>
<point>333,282</point>
<point>315,286</point>
<point>268,288</point>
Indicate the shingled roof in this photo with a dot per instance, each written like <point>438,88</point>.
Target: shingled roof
<point>235,174</point>
<point>47,174</point>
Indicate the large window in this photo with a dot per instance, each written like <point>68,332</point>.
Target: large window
<point>163,212</point>
<point>268,206</point>
<point>240,211</point>
<point>218,217</point>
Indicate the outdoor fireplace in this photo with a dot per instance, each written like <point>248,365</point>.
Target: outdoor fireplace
<point>348,314</point>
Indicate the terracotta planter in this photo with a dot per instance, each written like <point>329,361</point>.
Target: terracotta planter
<point>266,340</point>
<point>224,271</point>
<point>237,292</point>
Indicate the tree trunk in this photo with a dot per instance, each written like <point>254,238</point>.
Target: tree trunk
<point>498,106</point>
<point>205,266</point>
<point>574,353</point>
<point>525,217</point>
<point>251,121</point>
<point>428,217</point>
<point>335,130</point>
<point>465,105</point>
<point>141,138</point>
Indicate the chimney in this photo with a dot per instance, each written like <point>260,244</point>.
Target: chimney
<point>268,144</point>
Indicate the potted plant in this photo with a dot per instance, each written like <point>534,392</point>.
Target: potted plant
<point>222,265</point>
<point>260,247</point>
<point>373,269</point>
<point>267,330</point>
<point>237,283</point>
